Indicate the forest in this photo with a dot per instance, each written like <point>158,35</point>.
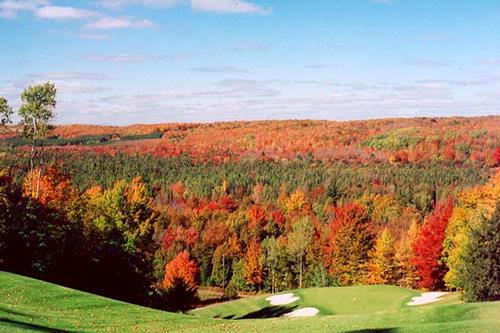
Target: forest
<point>149,213</point>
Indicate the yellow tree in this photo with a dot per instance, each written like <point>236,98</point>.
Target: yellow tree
<point>382,266</point>
<point>296,202</point>
<point>407,272</point>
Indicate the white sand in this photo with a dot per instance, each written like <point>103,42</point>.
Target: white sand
<point>304,312</point>
<point>282,299</point>
<point>427,298</point>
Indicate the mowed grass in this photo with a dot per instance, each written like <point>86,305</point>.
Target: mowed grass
<point>329,301</point>
<point>29,305</point>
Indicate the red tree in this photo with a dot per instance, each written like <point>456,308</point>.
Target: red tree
<point>428,247</point>
<point>181,267</point>
<point>496,157</point>
<point>53,186</point>
<point>257,217</point>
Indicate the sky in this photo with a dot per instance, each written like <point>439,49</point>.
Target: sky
<point>152,61</point>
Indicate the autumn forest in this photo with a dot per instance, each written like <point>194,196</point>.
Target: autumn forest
<point>150,213</point>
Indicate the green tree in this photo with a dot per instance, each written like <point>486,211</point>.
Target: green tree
<point>5,112</point>
<point>480,275</point>
<point>36,112</point>
<point>298,240</point>
<point>277,262</point>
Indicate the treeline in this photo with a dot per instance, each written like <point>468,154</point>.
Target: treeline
<point>151,230</point>
<point>88,140</point>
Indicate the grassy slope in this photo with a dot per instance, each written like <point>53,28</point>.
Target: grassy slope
<point>28,305</point>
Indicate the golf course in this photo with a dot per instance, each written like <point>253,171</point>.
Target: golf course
<point>29,305</point>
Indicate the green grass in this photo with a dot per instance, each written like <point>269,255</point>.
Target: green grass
<point>29,305</point>
<point>329,301</point>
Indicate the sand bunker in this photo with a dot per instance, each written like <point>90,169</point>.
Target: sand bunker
<point>282,299</point>
<point>427,298</point>
<point>304,312</point>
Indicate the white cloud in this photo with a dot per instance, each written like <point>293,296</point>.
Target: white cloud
<point>67,83</point>
<point>428,63</point>
<point>88,36</point>
<point>217,6</point>
<point>316,66</point>
<point>118,23</point>
<point>150,3</point>
<point>241,99</point>
<point>80,76</point>
<point>23,5</point>
<point>10,8</point>
<point>64,13</point>
<point>7,14</point>
<point>490,62</point>
<point>218,69</point>
<point>229,6</point>
<point>118,58</point>
<point>249,46</point>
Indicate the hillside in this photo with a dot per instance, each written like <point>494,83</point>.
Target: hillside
<point>29,305</point>
<point>403,140</point>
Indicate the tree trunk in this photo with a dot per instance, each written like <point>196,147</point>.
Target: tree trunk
<point>300,273</point>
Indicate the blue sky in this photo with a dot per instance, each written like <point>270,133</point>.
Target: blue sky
<point>151,61</point>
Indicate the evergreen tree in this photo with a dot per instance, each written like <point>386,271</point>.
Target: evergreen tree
<point>5,112</point>
<point>480,275</point>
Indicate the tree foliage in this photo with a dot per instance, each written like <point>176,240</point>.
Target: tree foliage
<point>37,110</point>
<point>480,273</point>
<point>350,242</point>
<point>181,268</point>
<point>382,266</point>
<point>5,112</point>
<point>428,247</point>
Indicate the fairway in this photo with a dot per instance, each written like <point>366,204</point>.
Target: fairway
<point>29,305</point>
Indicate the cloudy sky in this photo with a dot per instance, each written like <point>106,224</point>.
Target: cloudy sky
<point>147,61</point>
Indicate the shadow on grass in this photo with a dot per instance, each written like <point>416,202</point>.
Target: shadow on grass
<point>35,327</point>
<point>268,312</point>
<point>375,330</point>
<point>216,300</point>
<point>14,312</point>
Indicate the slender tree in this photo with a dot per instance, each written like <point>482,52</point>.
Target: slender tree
<point>36,112</point>
<point>253,270</point>
<point>298,240</point>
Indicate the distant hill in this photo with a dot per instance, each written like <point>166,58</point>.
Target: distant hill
<point>404,140</point>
